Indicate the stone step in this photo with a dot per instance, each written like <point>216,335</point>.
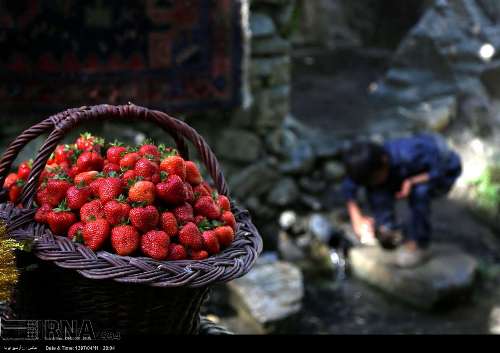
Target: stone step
<point>445,277</point>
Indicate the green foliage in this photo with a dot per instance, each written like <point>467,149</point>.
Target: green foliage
<point>487,188</point>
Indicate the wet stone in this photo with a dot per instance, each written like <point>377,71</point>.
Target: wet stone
<point>269,297</point>
<point>446,277</point>
<point>261,25</point>
<point>284,193</point>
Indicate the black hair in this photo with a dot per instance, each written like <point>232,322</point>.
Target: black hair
<point>362,160</point>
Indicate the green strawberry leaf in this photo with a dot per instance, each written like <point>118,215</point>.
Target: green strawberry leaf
<point>78,238</point>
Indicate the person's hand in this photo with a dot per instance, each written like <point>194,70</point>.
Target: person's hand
<point>365,229</point>
<point>405,189</point>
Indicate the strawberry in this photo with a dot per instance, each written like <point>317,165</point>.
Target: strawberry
<point>169,223</point>
<point>60,219</point>
<point>109,189</point>
<point>146,169</point>
<point>199,219</point>
<point>188,190</point>
<point>210,242</point>
<point>115,153</point>
<point>144,218</point>
<point>127,177</point>
<point>75,232</point>
<point>142,191</point>
<point>184,213</point>
<point>200,191</point>
<point>193,175</point>
<point>86,178</point>
<point>95,233</point>
<point>63,154</point>
<point>10,180</point>
<point>125,240</point>
<point>176,252</point>
<point>42,213</point>
<point>190,236</point>
<point>15,190</point>
<point>90,160</point>
<point>91,211</point>
<point>116,212</point>
<point>224,203</point>
<point>129,160</point>
<point>74,171</point>
<point>150,152</point>
<point>225,235</point>
<point>24,170</point>
<point>95,185</point>
<point>228,218</point>
<point>77,196</point>
<point>110,168</point>
<point>198,255</point>
<point>155,244</point>
<point>171,190</point>
<point>174,165</point>
<point>206,206</point>
<point>87,142</point>
<point>56,189</point>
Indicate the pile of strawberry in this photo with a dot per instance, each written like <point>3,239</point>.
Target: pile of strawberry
<point>145,200</point>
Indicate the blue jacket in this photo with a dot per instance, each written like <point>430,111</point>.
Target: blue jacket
<point>412,156</point>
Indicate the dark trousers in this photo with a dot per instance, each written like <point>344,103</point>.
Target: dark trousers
<point>418,226</point>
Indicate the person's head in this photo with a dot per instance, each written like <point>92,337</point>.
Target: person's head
<point>366,163</point>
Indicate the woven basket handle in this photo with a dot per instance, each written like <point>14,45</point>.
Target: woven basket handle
<point>176,127</point>
<point>26,137</point>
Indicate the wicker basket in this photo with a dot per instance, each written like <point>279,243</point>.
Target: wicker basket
<point>133,295</point>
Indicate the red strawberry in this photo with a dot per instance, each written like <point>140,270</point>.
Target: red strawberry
<point>155,244</point>
<point>206,206</point>
<point>115,153</point>
<point>24,170</point>
<point>176,252</point>
<point>125,240</point>
<point>210,242</point>
<point>110,168</point>
<point>144,218</point>
<point>200,191</point>
<point>76,230</point>
<point>15,190</point>
<point>91,211</point>
<point>142,191</point>
<point>90,160</point>
<point>228,218</point>
<point>224,203</point>
<point>184,213</point>
<point>190,236</point>
<point>188,189</point>
<point>199,219</point>
<point>150,152</point>
<point>95,185</point>
<point>60,219</point>
<point>10,180</point>
<point>109,189</point>
<point>87,142</point>
<point>74,171</point>
<point>56,190</point>
<point>116,212</point>
<point>63,154</point>
<point>42,213</point>
<point>174,165</point>
<point>193,175</point>
<point>129,160</point>
<point>171,190</point>
<point>146,169</point>
<point>198,255</point>
<point>77,197</point>
<point>128,176</point>
<point>95,233</point>
<point>86,178</point>
<point>225,235</point>
<point>169,223</point>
